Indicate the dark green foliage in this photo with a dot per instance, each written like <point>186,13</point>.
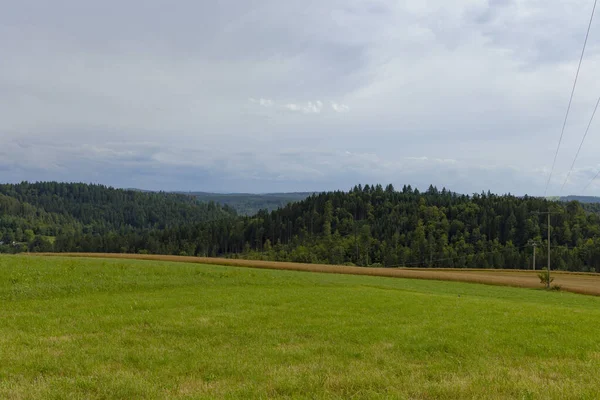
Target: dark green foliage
<point>437,228</point>
<point>365,226</point>
<point>53,216</point>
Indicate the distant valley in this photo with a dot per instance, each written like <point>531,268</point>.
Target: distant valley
<point>581,199</point>
<point>249,203</point>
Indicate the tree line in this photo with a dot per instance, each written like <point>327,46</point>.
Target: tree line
<point>367,226</point>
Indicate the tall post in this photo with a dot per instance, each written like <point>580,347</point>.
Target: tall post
<point>534,246</point>
<point>548,281</point>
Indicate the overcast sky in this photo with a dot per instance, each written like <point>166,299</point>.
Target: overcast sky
<point>273,95</point>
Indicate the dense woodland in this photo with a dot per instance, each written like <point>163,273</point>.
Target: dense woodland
<point>52,216</point>
<point>368,226</point>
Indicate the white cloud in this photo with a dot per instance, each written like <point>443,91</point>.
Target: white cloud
<point>433,160</point>
<point>262,102</point>
<point>340,108</point>
<point>293,107</point>
<point>313,108</point>
<point>266,102</point>
<point>306,108</point>
<point>309,107</point>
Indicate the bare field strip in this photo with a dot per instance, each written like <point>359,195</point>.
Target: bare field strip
<point>583,283</point>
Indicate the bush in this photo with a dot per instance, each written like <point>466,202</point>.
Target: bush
<point>545,277</point>
<point>301,254</point>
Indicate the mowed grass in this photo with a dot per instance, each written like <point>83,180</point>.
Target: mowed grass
<point>127,329</point>
<point>575,282</point>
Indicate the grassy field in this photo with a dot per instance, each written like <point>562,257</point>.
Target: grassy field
<point>126,329</point>
<point>575,282</point>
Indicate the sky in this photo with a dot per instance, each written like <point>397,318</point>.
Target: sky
<point>277,96</point>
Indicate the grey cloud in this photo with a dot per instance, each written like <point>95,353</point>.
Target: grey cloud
<point>152,167</point>
<point>161,91</point>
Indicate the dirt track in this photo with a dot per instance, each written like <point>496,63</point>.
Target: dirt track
<point>572,282</point>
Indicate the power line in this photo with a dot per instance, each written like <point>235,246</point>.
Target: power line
<point>571,98</point>
<point>581,145</point>
<point>484,253</point>
<point>590,182</point>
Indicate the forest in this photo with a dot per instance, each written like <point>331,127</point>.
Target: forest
<point>368,226</point>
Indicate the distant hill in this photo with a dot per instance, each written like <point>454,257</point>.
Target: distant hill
<point>250,204</point>
<point>581,199</point>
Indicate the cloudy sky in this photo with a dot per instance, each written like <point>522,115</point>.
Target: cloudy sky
<point>272,95</point>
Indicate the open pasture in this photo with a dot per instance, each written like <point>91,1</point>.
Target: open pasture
<point>576,282</point>
<point>115,328</point>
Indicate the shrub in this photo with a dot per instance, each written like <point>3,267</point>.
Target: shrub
<point>545,277</point>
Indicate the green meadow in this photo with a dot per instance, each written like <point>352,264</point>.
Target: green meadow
<point>124,329</point>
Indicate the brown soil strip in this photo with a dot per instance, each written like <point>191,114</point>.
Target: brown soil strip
<point>584,283</point>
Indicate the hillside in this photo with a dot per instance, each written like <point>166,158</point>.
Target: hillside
<point>40,213</point>
<point>367,226</point>
<point>371,225</point>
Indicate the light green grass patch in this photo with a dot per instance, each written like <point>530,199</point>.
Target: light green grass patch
<point>98,328</point>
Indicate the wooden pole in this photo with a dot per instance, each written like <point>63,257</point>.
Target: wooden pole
<point>548,281</point>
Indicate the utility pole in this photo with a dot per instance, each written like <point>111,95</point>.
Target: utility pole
<point>548,281</point>
<point>533,244</point>
<point>548,213</point>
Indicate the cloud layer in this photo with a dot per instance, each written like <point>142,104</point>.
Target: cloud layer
<point>269,95</point>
